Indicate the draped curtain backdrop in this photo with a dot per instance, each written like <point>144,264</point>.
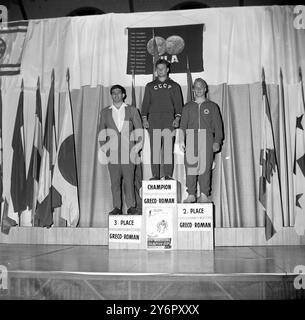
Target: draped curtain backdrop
<point>237,43</point>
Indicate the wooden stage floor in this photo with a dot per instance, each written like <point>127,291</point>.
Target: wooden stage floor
<point>95,272</point>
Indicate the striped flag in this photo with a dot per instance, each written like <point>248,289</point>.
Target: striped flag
<point>269,187</point>
<point>48,198</point>
<point>299,165</point>
<point>12,40</point>
<point>33,172</point>
<point>6,221</point>
<point>65,172</point>
<point>18,173</point>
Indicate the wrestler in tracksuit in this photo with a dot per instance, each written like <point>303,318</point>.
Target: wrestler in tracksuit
<point>204,116</point>
<point>162,102</point>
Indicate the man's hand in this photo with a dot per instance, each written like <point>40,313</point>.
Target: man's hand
<point>216,147</point>
<point>176,122</point>
<point>145,123</point>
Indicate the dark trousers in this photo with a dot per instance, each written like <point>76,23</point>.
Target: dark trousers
<point>161,121</point>
<point>204,179</point>
<point>117,173</point>
<point>161,155</point>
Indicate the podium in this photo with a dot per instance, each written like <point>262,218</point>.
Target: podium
<point>195,226</point>
<point>164,223</point>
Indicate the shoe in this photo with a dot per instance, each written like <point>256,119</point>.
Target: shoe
<point>132,211</point>
<point>190,199</point>
<point>115,211</point>
<point>203,198</point>
<point>154,178</point>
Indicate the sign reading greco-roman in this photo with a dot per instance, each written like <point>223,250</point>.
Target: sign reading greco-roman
<point>195,217</point>
<point>175,44</point>
<point>125,228</point>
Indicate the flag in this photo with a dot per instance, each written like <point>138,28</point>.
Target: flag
<point>47,198</point>
<point>12,42</point>
<point>18,174</point>
<point>33,172</point>
<point>1,150</point>
<point>269,187</point>
<point>174,43</point>
<point>133,90</point>
<point>190,95</point>
<point>6,221</point>
<point>138,167</point>
<point>155,55</point>
<point>65,172</point>
<point>299,165</point>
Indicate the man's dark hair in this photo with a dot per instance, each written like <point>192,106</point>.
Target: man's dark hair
<point>162,61</point>
<point>117,86</point>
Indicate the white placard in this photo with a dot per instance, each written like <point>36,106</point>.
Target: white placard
<point>125,228</point>
<point>125,236</point>
<point>125,222</point>
<point>195,217</point>
<point>159,188</point>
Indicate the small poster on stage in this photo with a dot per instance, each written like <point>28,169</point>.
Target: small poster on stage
<point>159,227</point>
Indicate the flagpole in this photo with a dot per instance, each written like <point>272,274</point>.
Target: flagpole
<point>271,226</point>
<point>301,82</point>
<point>155,55</point>
<point>71,110</point>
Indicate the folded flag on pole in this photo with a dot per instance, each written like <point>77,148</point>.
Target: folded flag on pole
<point>155,55</point>
<point>18,173</point>
<point>48,198</point>
<point>6,221</point>
<point>299,165</point>
<point>138,168</point>
<point>65,173</point>
<point>34,168</point>
<point>190,95</point>
<point>269,186</point>
<point>1,151</point>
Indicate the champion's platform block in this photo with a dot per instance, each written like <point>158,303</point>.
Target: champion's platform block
<point>164,224</point>
<point>159,202</point>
